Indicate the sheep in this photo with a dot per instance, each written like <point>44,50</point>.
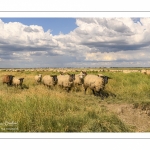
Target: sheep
<point>66,81</point>
<point>105,78</point>
<point>79,79</point>
<point>49,80</point>
<point>17,82</point>
<point>148,72</point>
<point>7,79</point>
<point>143,71</point>
<point>38,78</point>
<point>96,84</point>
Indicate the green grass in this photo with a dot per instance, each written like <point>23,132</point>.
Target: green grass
<point>130,88</point>
<point>58,114</point>
<point>39,109</point>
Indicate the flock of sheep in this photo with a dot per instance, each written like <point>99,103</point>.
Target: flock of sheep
<point>12,80</point>
<point>66,81</point>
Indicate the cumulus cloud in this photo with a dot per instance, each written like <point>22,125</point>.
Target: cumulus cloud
<point>29,29</point>
<point>16,38</point>
<point>108,39</point>
<point>119,56</point>
<point>115,34</point>
<point>95,40</point>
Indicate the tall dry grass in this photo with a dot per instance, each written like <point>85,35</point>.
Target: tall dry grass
<point>36,108</point>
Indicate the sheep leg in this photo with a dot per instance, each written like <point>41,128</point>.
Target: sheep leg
<point>85,90</point>
<point>93,92</point>
<point>8,84</point>
<point>101,95</point>
<point>97,94</point>
<point>68,89</point>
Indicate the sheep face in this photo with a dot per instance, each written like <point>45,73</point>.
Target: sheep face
<point>38,78</point>
<point>72,77</point>
<point>21,81</point>
<point>54,79</point>
<point>105,79</point>
<point>82,75</point>
<point>10,79</point>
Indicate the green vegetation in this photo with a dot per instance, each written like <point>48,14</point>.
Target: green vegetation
<point>36,108</point>
<point>130,88</point>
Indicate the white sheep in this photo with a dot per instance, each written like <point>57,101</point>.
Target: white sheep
<point>38,78</point>
<point>96,84</point>
<point>66,81</point>
<point>105,78</point>
<point>49,80</point>
<point>17,82</point>
<point>79,79</point>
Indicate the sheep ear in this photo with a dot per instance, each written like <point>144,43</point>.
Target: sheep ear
<point>107,77</point>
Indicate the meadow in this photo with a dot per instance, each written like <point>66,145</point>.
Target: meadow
<point>37,108</point>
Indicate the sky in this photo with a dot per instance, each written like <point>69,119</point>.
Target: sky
<point>74,42</point>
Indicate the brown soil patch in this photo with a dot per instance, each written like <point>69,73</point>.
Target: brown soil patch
<point>137,118</point>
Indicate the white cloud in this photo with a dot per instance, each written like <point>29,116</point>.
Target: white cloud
<point>107,39</point>
<point>94,40</point>
<point>17,33</point>
<point>138,55</point>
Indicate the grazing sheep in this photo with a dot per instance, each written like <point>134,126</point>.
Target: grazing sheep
<point>38,78</point>
<point>7,79</point>
<point>17,82</point>
<point>79,79</point>
<point>143,71</point>
<point>96,84</point>
<point>148,72</point>
<point>49,80</point>
<point>104,77</point>
<point>66,81</point>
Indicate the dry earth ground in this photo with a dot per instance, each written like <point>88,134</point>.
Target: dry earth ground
<point>137,118</point>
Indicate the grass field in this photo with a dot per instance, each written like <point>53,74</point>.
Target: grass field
<point>36,108</point>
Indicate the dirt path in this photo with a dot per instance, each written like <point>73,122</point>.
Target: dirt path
<point>137,118</point>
